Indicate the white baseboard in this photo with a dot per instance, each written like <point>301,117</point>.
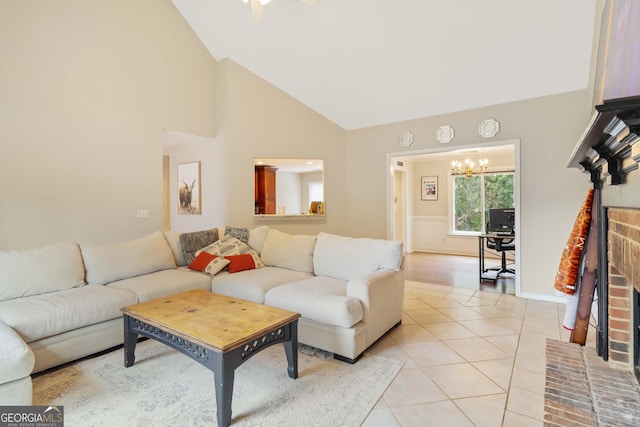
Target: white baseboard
<point>442,251</point>
<point>543,297</point>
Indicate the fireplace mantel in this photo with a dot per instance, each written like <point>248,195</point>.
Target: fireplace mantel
<point>608,141</point>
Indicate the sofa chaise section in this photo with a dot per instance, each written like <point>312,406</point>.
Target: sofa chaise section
<point>354,297</point>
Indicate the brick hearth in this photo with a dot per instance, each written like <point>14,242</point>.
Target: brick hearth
<point>581,389</point>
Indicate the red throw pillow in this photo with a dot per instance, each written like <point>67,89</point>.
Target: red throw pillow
<point>240,262</point>
<point>201,261</point>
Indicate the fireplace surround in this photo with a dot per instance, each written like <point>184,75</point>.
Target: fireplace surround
<point>608,152</point>
<point>603,388</point>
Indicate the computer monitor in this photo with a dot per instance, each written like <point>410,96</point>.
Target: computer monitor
<point>503,219</point>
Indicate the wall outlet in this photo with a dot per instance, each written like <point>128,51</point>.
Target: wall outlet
<point>142,213</point>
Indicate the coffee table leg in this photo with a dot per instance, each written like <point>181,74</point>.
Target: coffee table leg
<point>130,341</point>
<point>224,376</point>
<point>291,350</point>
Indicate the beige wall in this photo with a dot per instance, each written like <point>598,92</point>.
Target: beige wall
<point>86,89</point>
<point>89,89</point>
<point>212,182</point>
<point>262,121</point>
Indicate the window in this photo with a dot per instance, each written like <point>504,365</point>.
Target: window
<point>472,197</point>
<point>316,191</point>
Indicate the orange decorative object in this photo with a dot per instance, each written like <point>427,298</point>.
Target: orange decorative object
<point>570,262</point>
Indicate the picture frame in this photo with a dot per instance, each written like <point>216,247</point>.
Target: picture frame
<point>189,190</point>
<point>429,187</point>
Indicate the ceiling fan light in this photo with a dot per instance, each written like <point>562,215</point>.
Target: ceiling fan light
<point>257,7</point>
<point>257,11</point>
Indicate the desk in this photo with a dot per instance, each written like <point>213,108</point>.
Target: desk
<point>494,272</point>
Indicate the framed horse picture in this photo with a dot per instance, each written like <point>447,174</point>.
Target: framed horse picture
<point>189,188</point>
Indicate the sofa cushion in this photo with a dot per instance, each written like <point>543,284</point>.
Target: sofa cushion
<point>173,239</point>
<point>292,251</point>
<point>257,236</point>
<point>210,264</point>
<point>251,285</point>
<point>16,358</point>
<point>45,315</point>
<point>347,257</point>
<point>163,283</point>
<point>37,271</point>
<point>320,298</point>
<point>191,243</point>
<point>107,263</point>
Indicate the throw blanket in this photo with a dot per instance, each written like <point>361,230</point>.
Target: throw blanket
<point>570,261</point>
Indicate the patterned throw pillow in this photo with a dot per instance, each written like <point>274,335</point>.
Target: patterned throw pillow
<point>191,243</point>
<point>228,245</point>
<point>241,234</point>
<point>239,254</point>
<point>210,264</point>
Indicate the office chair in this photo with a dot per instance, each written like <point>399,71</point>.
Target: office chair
<point>500,244</point>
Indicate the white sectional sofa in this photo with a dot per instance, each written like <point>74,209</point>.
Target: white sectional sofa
<point>62,302</point>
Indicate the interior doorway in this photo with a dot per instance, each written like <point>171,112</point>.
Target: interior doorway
<point>426,225</point>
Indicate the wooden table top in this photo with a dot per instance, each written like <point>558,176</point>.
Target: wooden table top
<point>214,321</point>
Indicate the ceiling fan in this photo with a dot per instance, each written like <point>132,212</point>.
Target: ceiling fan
<point>257,7</point>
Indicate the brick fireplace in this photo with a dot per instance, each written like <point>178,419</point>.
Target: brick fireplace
<point>623,238</point>
<point>594,387</point>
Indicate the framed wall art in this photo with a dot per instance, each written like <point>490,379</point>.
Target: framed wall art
<point>429,187</point>
<point>189,188</point>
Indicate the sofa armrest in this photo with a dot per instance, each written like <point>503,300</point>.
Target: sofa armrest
<point>16,363</point>
<point>16,357</point>
<point>381,295</point>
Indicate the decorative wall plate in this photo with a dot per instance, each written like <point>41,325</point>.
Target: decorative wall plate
<point>445,134</point>
<point>406,139</point>
<point>489,128</point>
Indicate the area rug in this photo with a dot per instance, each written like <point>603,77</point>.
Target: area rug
<point>167,388</point>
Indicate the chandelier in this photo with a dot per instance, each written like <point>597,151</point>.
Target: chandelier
<point>467,168</point>
<point>257,7</point>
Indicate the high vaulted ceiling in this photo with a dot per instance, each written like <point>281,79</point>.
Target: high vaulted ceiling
<point>363,63</point>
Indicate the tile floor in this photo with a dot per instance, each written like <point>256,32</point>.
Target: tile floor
<point>472,358</point>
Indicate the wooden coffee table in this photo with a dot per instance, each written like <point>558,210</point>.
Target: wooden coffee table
<point>217,331</point>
